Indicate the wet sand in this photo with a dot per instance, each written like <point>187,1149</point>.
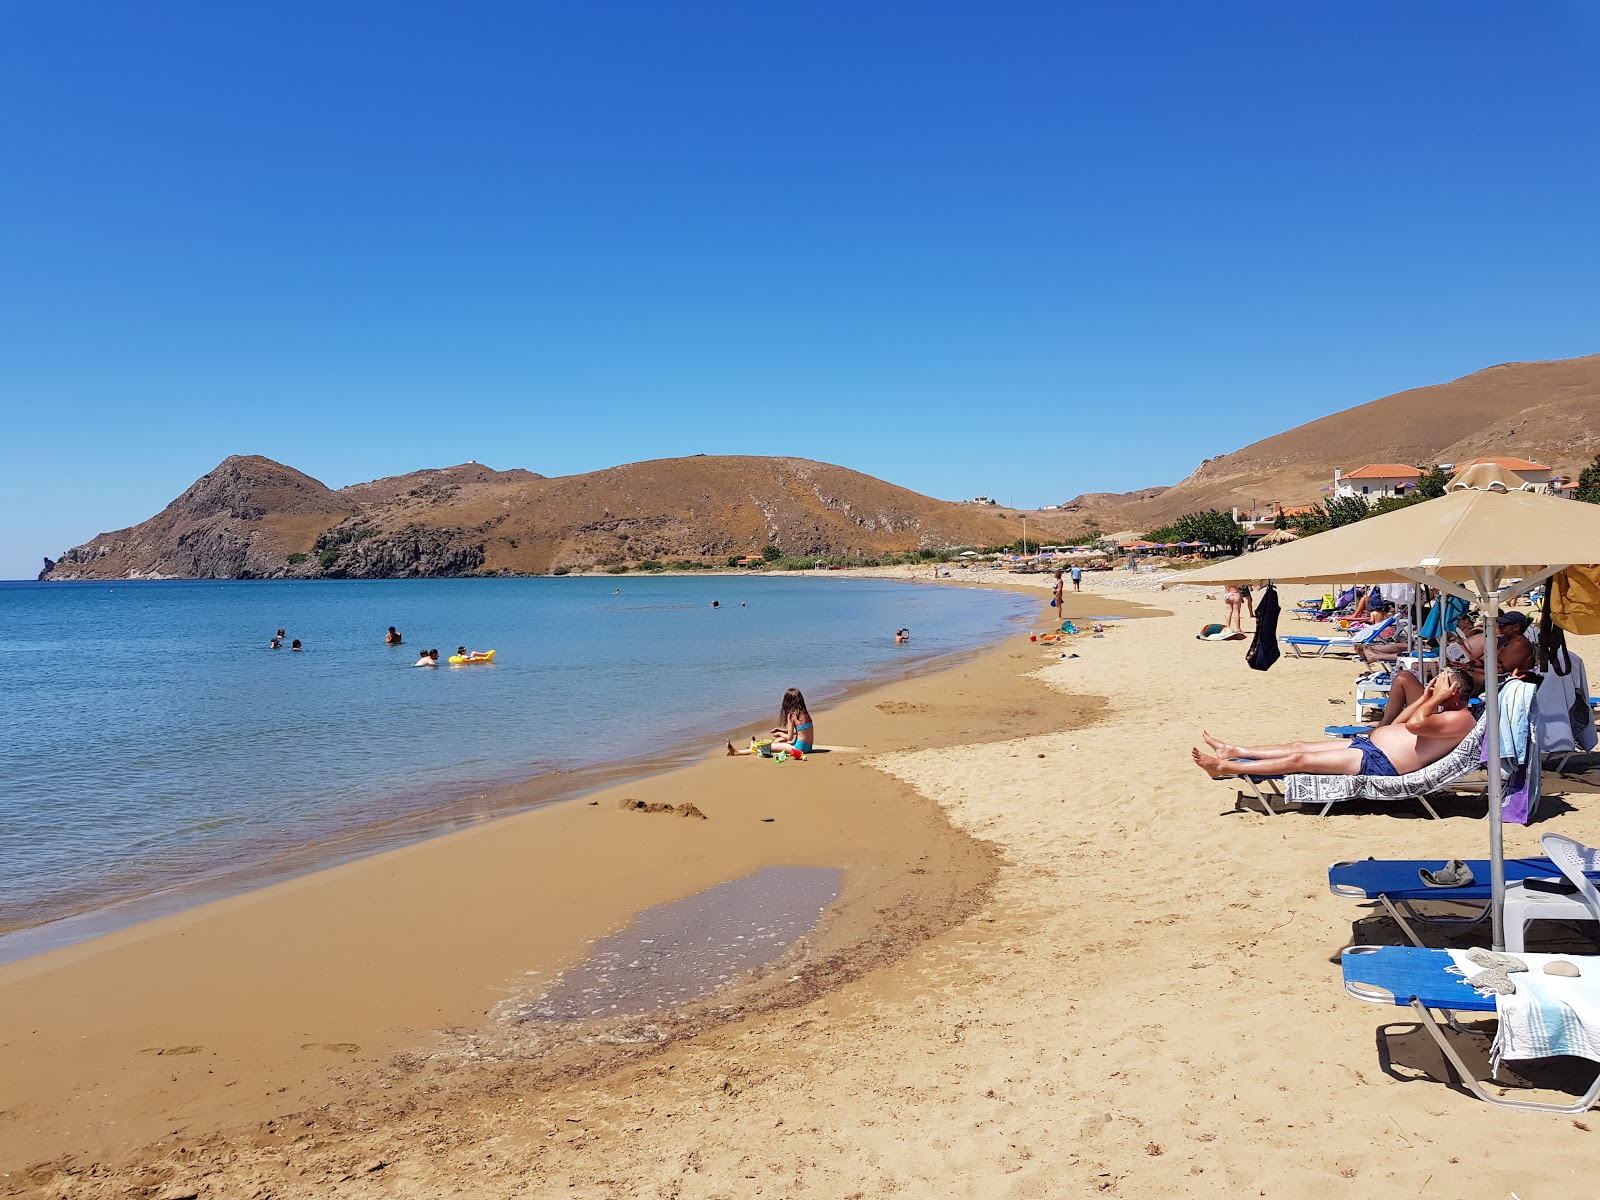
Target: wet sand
<point>309,992</point>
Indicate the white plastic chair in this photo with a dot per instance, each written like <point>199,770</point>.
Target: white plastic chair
<point>1523,905</point>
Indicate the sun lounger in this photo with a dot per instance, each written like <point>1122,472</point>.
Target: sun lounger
<point>1300,644</point>
<point>1328,790</point>
<point>1346,731</point>
<point>1423,980</point>
<point>1396,884</point>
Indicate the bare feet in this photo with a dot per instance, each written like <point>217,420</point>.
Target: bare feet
<point>731,750</point>
<point>1222,748</point>
<point>1209,763</point>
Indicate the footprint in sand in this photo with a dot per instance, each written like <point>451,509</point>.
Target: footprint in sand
<point>897,708</point>
<point>340,1047</point>
<point>175,1050</point>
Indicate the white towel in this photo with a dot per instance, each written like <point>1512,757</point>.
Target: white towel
<point>1549,1014</point>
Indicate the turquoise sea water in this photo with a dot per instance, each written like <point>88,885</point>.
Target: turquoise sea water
<point>151,744</point>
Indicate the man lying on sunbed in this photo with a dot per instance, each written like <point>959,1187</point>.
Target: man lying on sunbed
<point>1431,726</point>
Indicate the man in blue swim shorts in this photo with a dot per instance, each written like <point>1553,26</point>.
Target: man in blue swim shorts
<point>1431,726</point>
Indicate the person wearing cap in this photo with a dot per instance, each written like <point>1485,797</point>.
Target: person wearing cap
<point>1513,656</point>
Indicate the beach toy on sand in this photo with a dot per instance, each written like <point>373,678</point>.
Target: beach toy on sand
<point>457,660</point>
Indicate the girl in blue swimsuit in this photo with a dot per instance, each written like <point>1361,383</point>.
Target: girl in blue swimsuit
<point>795,730</point>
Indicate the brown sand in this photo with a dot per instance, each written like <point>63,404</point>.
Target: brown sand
<point>1144,1001</point>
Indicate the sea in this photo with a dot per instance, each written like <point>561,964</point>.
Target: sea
<point>155,752</point>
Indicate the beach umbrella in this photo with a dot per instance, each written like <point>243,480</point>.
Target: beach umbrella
<point>1486,539</point>
<point>1278,537</point>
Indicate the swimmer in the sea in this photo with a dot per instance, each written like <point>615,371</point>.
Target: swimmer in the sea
<point>295,645</point>
<point>430,658</point>
<point>392,638</point>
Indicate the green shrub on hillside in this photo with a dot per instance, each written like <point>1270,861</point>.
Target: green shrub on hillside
<point>328,557</point>
<point>650,564</point>
<point>617,569</point>
<point>296,559</point>
<point>560,570</point>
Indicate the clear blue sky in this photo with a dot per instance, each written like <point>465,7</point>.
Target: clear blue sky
<point>1028,250</point>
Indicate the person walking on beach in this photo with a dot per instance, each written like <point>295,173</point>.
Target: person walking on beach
<point>392,638</point>
<point>1077,577</point>
<point>1055,593</point>
<point>1249,604</point>
<point>795,730</point>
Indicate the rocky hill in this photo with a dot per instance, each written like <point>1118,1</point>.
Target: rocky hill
<point>253,518</point>
<point>1548,412</point>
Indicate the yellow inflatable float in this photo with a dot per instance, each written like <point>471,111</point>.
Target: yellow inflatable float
<point>477,656</point>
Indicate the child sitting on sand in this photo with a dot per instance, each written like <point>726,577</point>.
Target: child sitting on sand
<point>795,731</point>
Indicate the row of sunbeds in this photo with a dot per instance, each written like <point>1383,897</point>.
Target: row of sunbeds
<point>1548,1016</point>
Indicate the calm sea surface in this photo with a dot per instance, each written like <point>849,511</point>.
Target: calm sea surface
<point>151,744</point>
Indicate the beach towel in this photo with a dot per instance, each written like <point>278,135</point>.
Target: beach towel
<point>1566,722</point>
<point>1264,650</point>
<point>1548,1014</point>
<point>1519,768</point>
<point>1442,617</point>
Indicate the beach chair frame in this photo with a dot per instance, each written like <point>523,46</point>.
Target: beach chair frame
<point>1424,1008</point>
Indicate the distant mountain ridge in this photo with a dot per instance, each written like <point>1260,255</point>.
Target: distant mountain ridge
<point>253,518</point>
<point>1548,412</point>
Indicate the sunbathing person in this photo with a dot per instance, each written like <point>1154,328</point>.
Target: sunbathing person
<point>1513,654</point>
<point>1432,725</point>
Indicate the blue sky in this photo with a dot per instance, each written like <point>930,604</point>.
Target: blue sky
<point>1026,250</point>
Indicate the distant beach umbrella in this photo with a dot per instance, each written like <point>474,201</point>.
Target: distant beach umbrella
<point>1485,536</point>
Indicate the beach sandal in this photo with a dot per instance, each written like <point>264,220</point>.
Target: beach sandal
<point>1453,874</point>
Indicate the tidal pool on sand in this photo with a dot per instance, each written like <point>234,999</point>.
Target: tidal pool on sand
<point>691,948</point>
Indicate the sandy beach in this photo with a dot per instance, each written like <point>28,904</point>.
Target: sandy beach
<point>1063,962</point>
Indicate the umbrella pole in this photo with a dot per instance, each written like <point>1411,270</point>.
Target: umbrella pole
<point>1489,592</point>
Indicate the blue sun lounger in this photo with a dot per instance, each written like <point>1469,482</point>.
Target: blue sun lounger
<point>1300,644</point>
<point>1395,884</point>
<point>1422,981</point>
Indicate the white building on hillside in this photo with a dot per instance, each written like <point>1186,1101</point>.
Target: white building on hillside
<point>1376,480</point>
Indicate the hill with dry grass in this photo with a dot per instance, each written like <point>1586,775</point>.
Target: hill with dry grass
<point>1548,412</point>
<point>253,518</point>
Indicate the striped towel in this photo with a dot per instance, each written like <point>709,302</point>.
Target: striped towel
<point>1549,1014</point>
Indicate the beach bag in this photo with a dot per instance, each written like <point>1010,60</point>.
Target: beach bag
<point>1574,599</point>
<point>1264,650</point>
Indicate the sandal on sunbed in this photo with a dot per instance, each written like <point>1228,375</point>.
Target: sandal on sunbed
<point>1453,874</point>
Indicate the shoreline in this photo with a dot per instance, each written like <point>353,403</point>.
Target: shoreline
<point>584,869</point>
<point>1064,962</point>
<point>470,804</point>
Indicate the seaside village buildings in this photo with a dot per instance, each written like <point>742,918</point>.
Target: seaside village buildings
<point>1375,481</point>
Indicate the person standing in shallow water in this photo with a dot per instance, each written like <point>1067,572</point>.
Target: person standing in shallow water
<point>1055,595</point>
<point>392,638</point>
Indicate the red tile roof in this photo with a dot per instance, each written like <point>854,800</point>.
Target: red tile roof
<point>1512,464</point>
<point>1384,471</point>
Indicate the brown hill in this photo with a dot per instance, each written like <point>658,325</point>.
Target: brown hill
<point>1548,412</point>
<point>253,518</point>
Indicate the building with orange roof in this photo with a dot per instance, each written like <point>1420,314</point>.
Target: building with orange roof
<point>1377,480</point>
<point>1535,475</point>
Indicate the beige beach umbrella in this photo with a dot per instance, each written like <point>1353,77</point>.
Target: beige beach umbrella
<point>1485,540</point>
<point>1278,537</point>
